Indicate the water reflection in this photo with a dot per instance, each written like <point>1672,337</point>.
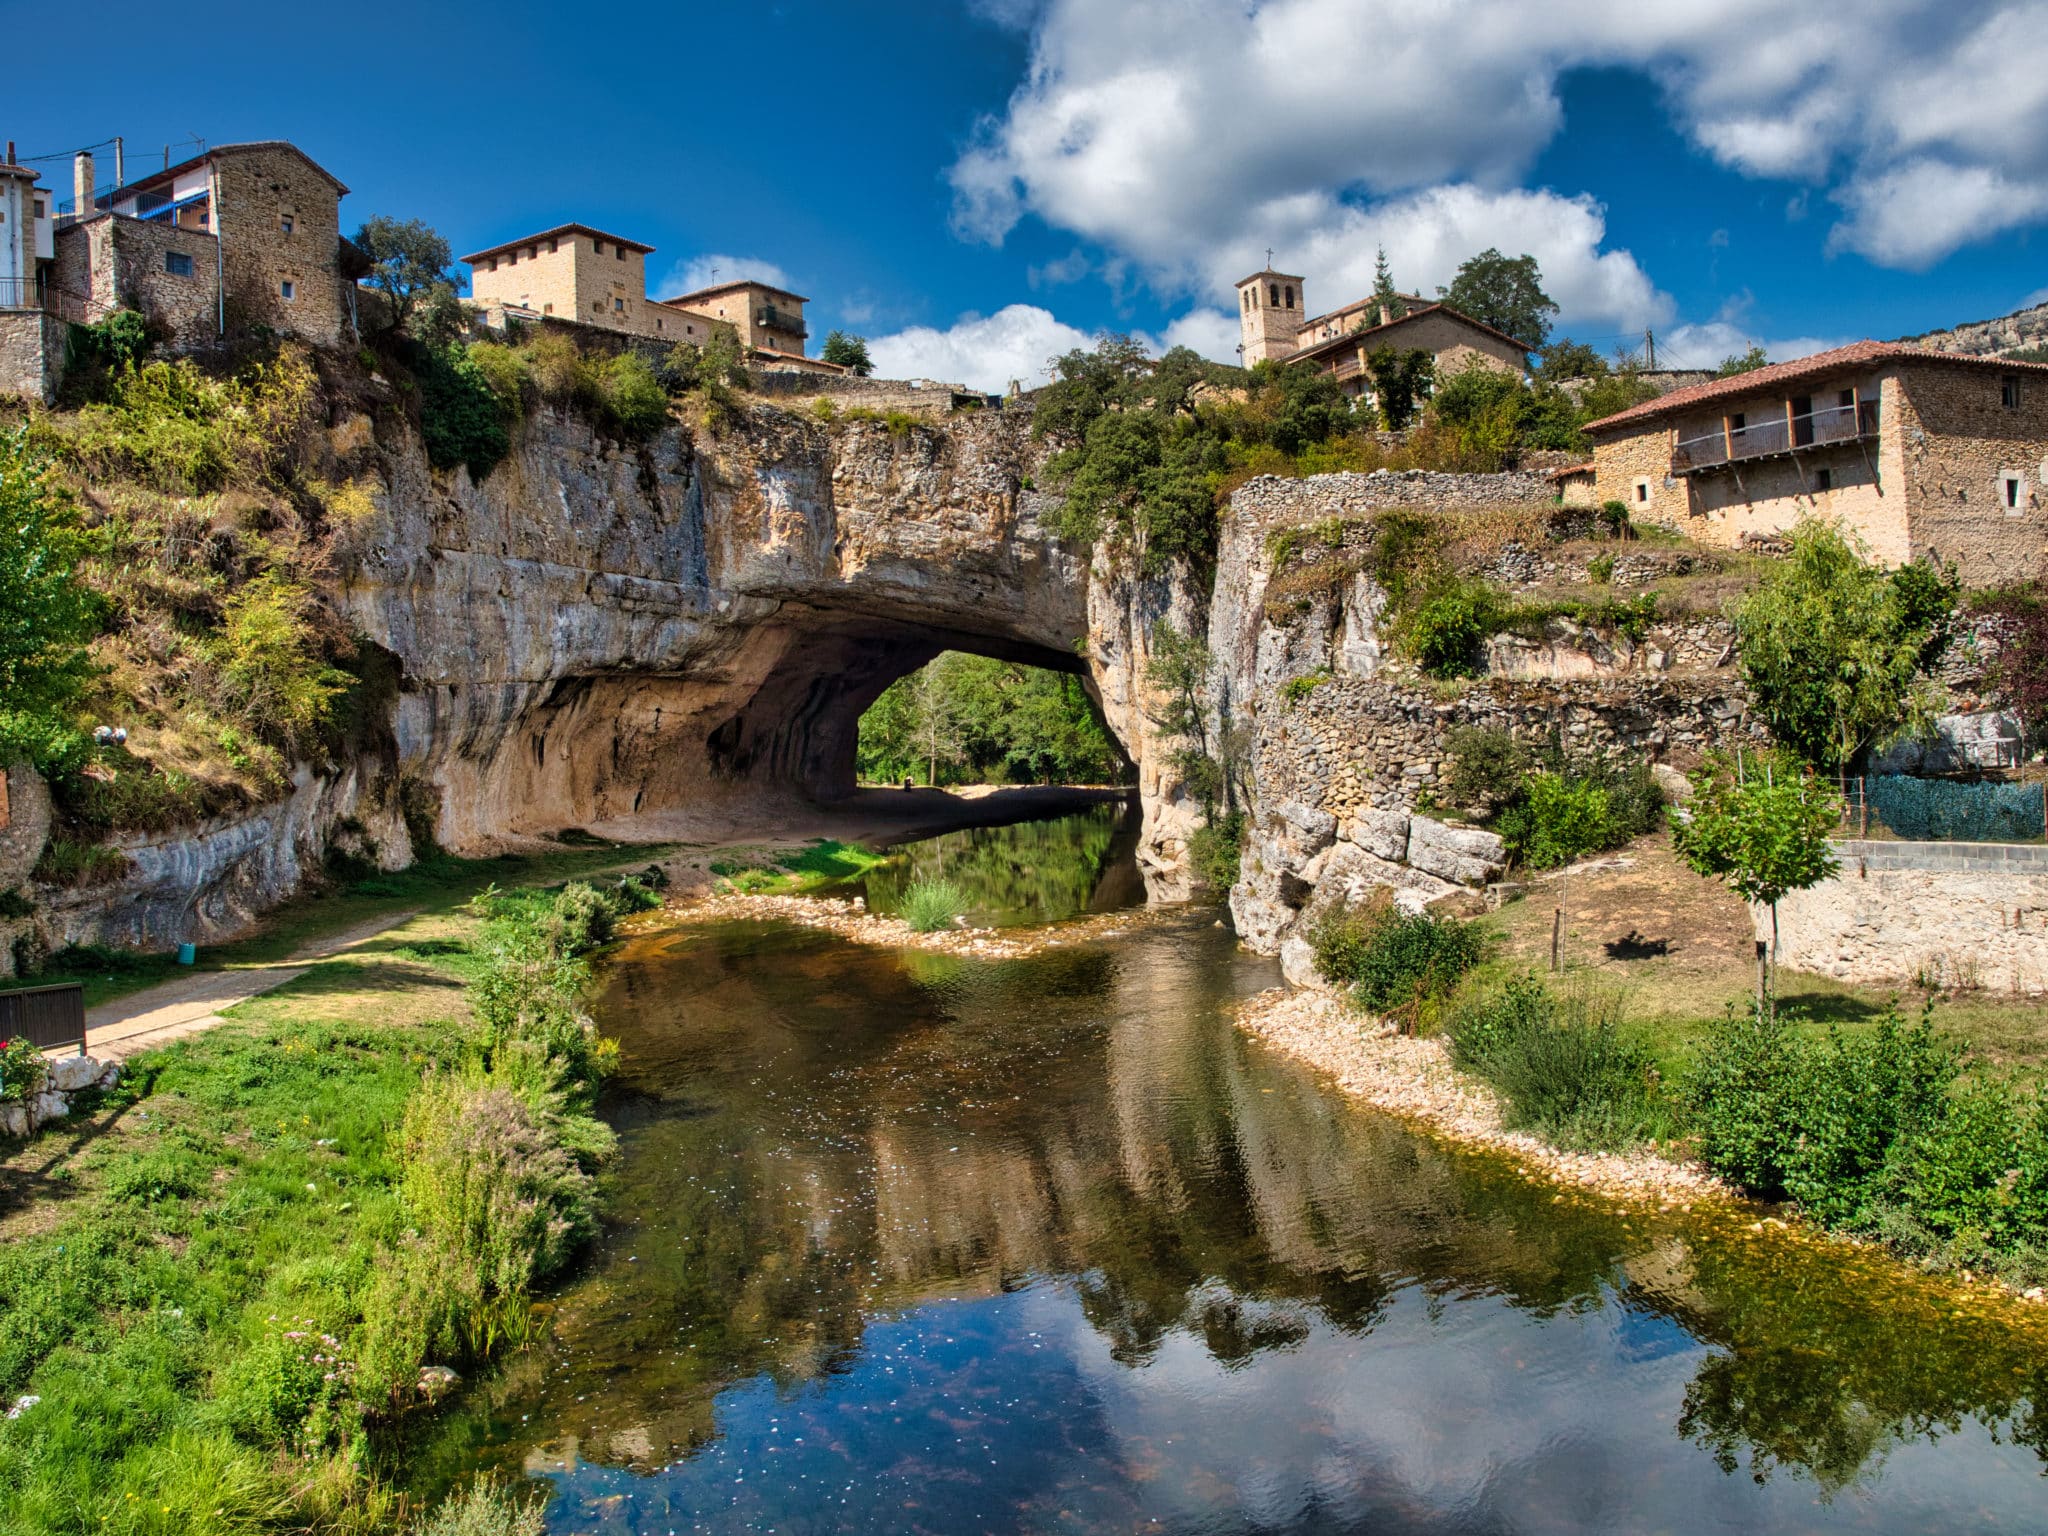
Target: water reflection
<point>1048,1246</point>
<point>1027,872</point>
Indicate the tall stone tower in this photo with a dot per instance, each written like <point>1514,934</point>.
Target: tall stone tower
<point>1270,310</point>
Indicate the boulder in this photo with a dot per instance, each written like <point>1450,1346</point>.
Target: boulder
<point>1298,964</point>
<point>1673,787</point>
<point>1352,875</point>
<point>1383,834</point>
<point>1306,828</point>
<point>48,1106</point>
<point>1462,855</point>
<point>13,1120</point>
<point>68,1074</point>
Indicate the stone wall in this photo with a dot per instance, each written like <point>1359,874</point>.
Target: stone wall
<point>256,193</point>
<point>31,355</point>
<point>1271,501</point>
<point>1958,915</point>
<point>914,397</point>
<point>1957,445</point>
<point>131,270</point>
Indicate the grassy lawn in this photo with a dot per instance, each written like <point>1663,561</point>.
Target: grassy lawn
<point>434,886</point>
<point>1682,947</point>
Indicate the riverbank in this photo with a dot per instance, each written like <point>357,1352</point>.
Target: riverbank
<point>850,919</point>
<point>230,1285</point>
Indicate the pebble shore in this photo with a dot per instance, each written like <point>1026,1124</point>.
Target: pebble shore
<point>1414,1078</point>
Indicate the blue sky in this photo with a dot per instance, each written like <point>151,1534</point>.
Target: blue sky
<point>978,185</point>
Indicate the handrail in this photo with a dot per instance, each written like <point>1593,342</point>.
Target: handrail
<point>1777,434</point>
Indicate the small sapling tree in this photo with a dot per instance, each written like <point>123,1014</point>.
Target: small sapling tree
<point>407,257</point>
<point>1762,828</point>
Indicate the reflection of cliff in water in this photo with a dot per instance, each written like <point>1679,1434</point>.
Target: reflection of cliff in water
<point>833,1138</point>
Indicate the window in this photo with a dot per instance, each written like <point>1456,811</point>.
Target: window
<point>1823,479</point>
<point>2012,494</point>
<point>1736,421</point>
<point>1290,295</point>
<point>42,209</point>
<point>551,247</point>
<point>618,306</point>
<point>177,263</point>
<point>2009,391</point>
<point>1642,490</point>
<point>1274,298</point>
<point>288,290</point>
<point>547,309</point>
<point>619,251</point>
<point>284,224</point>
<point>597,246</point>
<point>491,265</point>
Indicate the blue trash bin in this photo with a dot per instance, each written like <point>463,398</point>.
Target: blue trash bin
<point>187,953</point>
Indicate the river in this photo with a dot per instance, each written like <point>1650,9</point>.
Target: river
<point>907,1243</point>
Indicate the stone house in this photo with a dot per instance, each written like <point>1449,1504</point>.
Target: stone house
<point>576,273</point>
<point>1916,453</point>
<point>241,236</point>
<point>1275,327</point>
<point>31,335</point>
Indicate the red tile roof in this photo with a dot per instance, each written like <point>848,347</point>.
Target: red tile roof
<point>549,234</point>
<point>1861,354</point>
<point>738,282</point>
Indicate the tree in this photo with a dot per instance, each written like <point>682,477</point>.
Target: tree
<point>1831,647</point>
<point>1178,671</point>
<point>849,352</point>
<point>1743,362</point>
<point>1386,298</point>
<point>1763,829</point>
<point>935,720</point>
<point>407,258</point>
<point>1567,359</point>
<point>1400,383</point>
<point>2018,675</point>
<point>1505,293</point>
<point>46,614</point>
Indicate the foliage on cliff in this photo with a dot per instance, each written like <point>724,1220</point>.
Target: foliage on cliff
<point>972,719</point>
<point>46,614</point>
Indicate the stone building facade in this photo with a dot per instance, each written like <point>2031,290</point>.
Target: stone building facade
<point>31,338</point>
<point>576,273</point>
<point>769,320</point>
<point>1916,453</point>
<point>168,273</point>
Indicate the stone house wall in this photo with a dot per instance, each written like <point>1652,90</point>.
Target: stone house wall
<point>1935,481</point>
<point>1955,914</point>
<point>123,263</point>
<point>544,280</point>
<point>31,355</point>
<point>1957,445</point>
<point>256,194</point>
<point>1275,501</point>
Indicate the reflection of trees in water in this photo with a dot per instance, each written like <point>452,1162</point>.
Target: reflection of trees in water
<point>1043,870</point>
<point>866,1142</point>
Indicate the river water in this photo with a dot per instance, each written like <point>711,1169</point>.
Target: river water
<point>906,1243</point>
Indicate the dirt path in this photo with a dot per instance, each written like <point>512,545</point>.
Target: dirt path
<point>143,1020</point>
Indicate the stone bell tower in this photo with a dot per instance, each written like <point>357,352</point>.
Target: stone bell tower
<point>1270,310</point>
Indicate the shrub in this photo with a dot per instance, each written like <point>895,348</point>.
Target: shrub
<point>23,1070</point>
<point>1215,851</point>
<point>1565,1067</point>
<point>462,415</point>
<point>581,918</point>
<point>1403,963</point>
<point>930,905</point>
<point>268,673</point>
<point>1487,767</point>
<point>1557,820</point>
<point>635,404</point>
<point>1445,632</point>
<point>487,1507</point>
<point>76,864</point>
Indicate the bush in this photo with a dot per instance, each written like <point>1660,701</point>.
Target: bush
<point>1215,851</point>
<point>1565,1067</point>
<point>487,1507</point>
<point>635,404</point>
<point>1557,820</point>
<point>462,414</point>
<point>1402,963</point>
<point>1487,767</point>
<point>268,674</point>
<point>930,905</point>
<point>23,1070</point>
<point>580,919</point>
<point>1445,632</point>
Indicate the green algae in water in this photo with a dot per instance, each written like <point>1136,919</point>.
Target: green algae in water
<point>1048,1245</point>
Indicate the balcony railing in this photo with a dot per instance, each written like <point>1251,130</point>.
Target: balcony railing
<point>1728,444</point>
<point>781,320</point>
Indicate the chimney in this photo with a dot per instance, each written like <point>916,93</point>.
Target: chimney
<point>10,151</point>
<point>81,183</point>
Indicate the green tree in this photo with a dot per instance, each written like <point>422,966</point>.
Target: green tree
<point>1386,298</point>
<point>1832,647</point>
<point>849,352</point>
<point>269,675</point>
<point>1400,383</point>
<point>46,613</point>
<point>1743,362</point>
<point>1178,671</point>
<point>1567,359</point>
<point>1506,293</point>
<point>1764,830</point>
<point>407,258</point>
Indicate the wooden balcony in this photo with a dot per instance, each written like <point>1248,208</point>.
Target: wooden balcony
<point>1739,440</point>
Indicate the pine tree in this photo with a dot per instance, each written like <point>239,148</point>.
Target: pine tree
<point>1386,298</point>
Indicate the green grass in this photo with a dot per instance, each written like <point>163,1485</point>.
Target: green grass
<point>433,885</point>
<point>930,906</point>
<point>825,862</point>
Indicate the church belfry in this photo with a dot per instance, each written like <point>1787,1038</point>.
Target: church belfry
<point>1270,310</point>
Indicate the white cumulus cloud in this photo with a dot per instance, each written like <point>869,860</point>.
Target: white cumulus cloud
<point>1188,135</point>
<point>984,352</point>
<point>703,271</point>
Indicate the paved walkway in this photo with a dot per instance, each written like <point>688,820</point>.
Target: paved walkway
<point>144,1020</point>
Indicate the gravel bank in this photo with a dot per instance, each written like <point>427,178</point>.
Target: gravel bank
<point>850,919</point>
<point>1414,1078</point>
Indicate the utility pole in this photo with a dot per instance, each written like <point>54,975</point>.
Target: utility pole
<point>1649,351</point>
<point>120,164</point>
